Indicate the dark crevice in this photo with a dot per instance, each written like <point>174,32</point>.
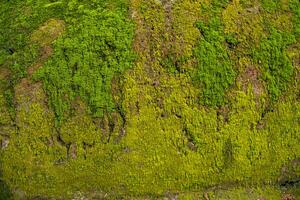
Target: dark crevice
<point>290,183</point>
<point>222,116</point>
<point>11,50</point>
<point>191,141</point>
<point>228,153</point>
<point>64,144</point>
<point>262,122</point>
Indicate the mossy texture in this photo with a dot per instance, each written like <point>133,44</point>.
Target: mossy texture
<point>150,99</point>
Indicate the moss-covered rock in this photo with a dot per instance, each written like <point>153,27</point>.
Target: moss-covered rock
<point>209,108</point>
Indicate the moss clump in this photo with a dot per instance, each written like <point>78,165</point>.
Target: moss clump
<point>86,59</point>
<point>212,129</point>
<point>276,66</point>
<point>214,70</point>
<point>49,32</point>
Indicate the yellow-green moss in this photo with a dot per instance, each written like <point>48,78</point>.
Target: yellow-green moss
<point>159,141</point>
<point>47,33</point>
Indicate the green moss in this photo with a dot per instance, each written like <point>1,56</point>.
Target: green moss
<point>214,70</point>
<point>276,66</point>
<point>270,5</point>
<point>140,132</point>
<point>244,23</point>
<point>18,20</point>
<point>47,33</point>
<point>86,59</point>
<point>294,6</point>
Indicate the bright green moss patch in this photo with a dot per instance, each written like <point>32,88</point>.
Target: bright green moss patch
<point>276,66</point>
<point>86,59</point>
<point>18,20</point>
<point>270,5</point>
<point>214,69</point>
